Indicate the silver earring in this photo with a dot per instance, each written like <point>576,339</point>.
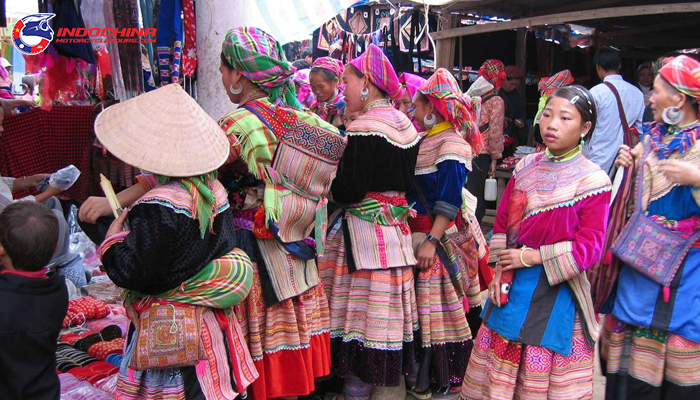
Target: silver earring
<point>364,94</point>
<point>672,115</point>
<point>237,90</point>
<point>429,121</point>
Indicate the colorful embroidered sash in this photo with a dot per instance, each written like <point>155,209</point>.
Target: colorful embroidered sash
<point>382,213</point>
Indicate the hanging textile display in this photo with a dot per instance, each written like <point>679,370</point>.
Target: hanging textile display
<point>38,141</point>
<point>412,28</point>
<point>169,41</point>
<point>68,16</point>
<point>148,21</point>
<point>189,56</point>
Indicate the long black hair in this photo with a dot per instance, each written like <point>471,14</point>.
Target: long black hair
<point>583,100</point>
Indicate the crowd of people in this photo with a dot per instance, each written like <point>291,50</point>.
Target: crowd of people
<point>328,230</point>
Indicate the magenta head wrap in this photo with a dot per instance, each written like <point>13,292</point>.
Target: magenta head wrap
<point>412,82</point>
<point>330,64</point>
<point>374,64</point>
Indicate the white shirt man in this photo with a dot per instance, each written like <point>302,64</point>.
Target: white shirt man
<point>608,135</point>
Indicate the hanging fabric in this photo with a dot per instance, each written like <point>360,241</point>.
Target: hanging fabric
<point>148,23</point>
<point>189,56</point>
<point>68,16</point>
<point>126,16</point>
<point>169,41</point>
<point>113,50</point>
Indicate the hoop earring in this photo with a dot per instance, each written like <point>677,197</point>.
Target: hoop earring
<point>364,94</point>
<point>237,90</point>
<point>672,115</point>
<point>429,121</point>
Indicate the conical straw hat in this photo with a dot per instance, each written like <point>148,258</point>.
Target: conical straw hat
<point>164,132</point>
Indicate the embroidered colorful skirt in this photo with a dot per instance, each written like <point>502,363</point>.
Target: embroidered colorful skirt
<point>643,364</point>
<point>445,337</point>
<point>289,342</point>
<point>504,369</point>
<point>373,317</point>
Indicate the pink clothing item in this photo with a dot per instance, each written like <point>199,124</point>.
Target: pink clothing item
<point>492,113</point>
<point>411,82</point>
<point>378,69</point>
<point>331,64</point>
<point>567,208</point>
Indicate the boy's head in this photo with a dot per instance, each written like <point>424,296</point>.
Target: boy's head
<point>28,236</point>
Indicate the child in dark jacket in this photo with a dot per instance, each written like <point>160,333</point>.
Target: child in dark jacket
<point>33,303</point>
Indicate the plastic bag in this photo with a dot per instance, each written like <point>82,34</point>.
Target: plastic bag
<point>64,178</point>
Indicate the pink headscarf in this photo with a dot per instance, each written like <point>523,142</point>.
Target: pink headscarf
<point>378,69</point>
<point>412,82</point>
<point>331,64</point>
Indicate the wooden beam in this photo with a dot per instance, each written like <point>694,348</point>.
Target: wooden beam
<point>651,28</point>
<point>556,19</point>
<point>649,42</point>
<point>585,5</point>
<point>445,49</point>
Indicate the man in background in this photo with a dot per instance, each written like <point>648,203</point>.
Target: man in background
<point>608,135</point>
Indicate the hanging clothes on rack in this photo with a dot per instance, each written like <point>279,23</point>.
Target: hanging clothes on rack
<point>126,16</point>
<point>148,22</point>
<point>169,41</point>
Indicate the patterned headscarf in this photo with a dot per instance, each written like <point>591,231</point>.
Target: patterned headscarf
<point>331,64</point>
<point>378,69</point>
<point>550,84</point>
<point>683,73</point>
<point>444,92</point>
<point>260,58</point>
<point>304,93</point>
<point>494,71</point>
<point>411,82</point>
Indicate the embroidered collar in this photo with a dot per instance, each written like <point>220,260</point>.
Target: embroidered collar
<point>439,128</point>
<point>682,139</point>
<point>564,157</point>
<point>377,103</point>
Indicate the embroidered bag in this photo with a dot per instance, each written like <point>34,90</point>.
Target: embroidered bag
<point>167,336</point>
<point>653,250</point>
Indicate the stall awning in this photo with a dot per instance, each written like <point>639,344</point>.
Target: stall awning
<point>297,19</point>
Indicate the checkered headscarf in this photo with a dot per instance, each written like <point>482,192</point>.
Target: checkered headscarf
<point>494,71</point>
<point>683,73</point>
<point>550,84</point>
<point>261,59</point>
<point>444,92</point>
<point>378,69</point>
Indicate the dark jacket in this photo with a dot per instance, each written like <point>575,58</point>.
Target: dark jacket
<point>31,314</point>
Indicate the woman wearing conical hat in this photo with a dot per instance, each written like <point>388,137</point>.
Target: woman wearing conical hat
<point>175,252</point>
